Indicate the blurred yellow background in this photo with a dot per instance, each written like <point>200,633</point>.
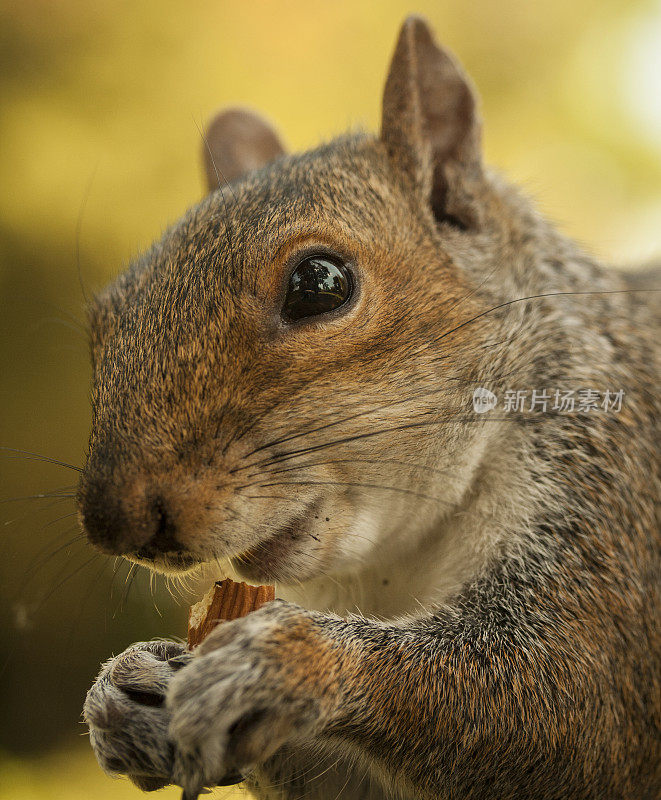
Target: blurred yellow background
<point>99,127</point>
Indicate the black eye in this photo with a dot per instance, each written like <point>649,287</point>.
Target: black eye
<point>317,285</point>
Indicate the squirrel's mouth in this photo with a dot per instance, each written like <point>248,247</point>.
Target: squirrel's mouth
<point>278,557</point>
<point>281,555</point>
<point>166,563</point>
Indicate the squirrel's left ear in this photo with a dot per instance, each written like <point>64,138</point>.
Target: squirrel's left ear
<point>237,141</point>
<point>430,124</point>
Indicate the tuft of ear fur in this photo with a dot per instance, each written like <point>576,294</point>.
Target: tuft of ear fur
<point>430,123</point>
<point>237,141</point>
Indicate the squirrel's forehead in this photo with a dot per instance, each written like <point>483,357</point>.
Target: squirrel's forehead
<point>235,232</point>
<point>341,176</point>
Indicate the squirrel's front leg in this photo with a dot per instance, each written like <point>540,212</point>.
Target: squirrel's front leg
<point>288,680</point>
<point>272,679</point>
<point>461,703</point>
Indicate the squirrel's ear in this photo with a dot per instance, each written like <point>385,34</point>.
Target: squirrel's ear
<point>430,124</point>
<point>237,141</point>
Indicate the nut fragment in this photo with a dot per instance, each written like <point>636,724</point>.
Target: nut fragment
<point>226,600</point>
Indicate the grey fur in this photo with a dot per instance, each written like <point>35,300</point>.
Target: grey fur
<point>515,557</point>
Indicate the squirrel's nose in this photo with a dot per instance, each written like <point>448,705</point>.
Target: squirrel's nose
<point>164,539</point>
<point>131,522</point>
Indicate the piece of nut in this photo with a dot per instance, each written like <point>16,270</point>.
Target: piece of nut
<point>226,600</point>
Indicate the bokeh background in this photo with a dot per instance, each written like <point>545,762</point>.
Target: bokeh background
<point>101,108</point>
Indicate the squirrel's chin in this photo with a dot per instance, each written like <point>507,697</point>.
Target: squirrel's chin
<point>290,553</point>
<point>168,564</point>
<point>281,559</point>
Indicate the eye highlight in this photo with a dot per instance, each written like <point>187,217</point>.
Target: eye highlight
<point>319,284</point>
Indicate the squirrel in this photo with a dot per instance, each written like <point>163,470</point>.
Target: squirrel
<point>349,372</point>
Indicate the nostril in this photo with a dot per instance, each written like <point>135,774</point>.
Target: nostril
<point>121,519</point>
<point>165,535</point>
<point>104,518</point>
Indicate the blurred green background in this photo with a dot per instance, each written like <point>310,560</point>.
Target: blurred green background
<point>101,104</point>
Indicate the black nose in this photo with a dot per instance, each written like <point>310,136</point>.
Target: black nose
<point>104,518</point>
<point>127,522</point>
<point>164,539</point>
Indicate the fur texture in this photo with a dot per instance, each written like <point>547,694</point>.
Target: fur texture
<point>477,595</point>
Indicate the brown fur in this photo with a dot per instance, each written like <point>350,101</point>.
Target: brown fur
<point>515,557</point>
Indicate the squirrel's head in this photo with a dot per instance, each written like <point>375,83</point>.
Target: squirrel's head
<point>286,377</point>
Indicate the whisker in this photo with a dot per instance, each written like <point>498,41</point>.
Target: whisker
<point>79,228</point>
<point>152,578</point>
<point>405,426</point>
<point>433,341</point>
<point>43,496</point>
<point>264,496</point>
<point>168,586</point>
<point>255,421</point>
<point>71,324</point>
<point>356,484</point>
<point>119,563</point>
<point>424,394</point>
<point>130,584</point>
<point>39,562</point>
<point>59,519</point>
<point>357,415</point>
<point>32,510</point>
<point>216,168</point>
<point>83,604</point>
<point>39,457</point>
<point>421,467</point>
<point>540,296</point>
<point>128,581</point>
<point>65,579</point>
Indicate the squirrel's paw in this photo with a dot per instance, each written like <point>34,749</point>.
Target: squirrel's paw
<point>126,714</point>
<point>254,685</point>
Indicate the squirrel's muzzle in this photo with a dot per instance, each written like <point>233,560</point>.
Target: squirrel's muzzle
<point>130,518</point>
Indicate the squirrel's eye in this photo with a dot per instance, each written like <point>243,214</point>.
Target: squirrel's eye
<point>318,284</point>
